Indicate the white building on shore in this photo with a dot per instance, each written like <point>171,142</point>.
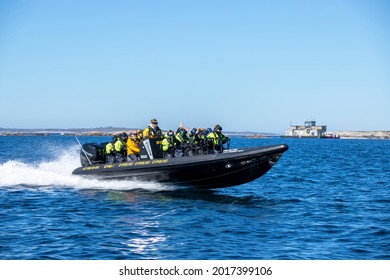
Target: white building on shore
<point>310,129</point>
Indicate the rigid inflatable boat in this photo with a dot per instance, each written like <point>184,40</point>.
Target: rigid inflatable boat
<point>230,168</point>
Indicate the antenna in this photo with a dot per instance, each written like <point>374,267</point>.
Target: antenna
<point>85,153</point>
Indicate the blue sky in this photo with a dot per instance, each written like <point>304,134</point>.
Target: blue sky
<point>247,65</point>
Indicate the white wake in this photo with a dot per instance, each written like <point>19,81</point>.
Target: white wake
<point>58,173</point>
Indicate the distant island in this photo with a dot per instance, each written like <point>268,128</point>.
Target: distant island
<point>107,131</point>
<point>374,134</point>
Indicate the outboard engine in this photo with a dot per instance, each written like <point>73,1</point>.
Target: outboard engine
<point>91,153</point>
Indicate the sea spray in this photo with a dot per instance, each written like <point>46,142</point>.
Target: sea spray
<point>58,173</point>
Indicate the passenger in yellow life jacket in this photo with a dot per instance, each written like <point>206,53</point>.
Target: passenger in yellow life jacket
<point>168,144</point>
<point>121,147</point>
<point>181,138</point>
<point>152,131</point>
<point>110,150</point>
<point>133,149</point>
<point>216,139</point>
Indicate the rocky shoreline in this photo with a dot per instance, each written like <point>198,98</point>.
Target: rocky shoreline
<point>381,134</point>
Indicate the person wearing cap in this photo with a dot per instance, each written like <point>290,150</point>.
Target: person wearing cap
<point>217,139</point>
<point>152,131</point>
<point>133,149</point>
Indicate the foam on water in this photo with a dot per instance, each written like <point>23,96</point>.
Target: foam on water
<point>58,173</point>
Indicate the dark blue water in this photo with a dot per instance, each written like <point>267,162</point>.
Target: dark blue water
<point>324,199</point>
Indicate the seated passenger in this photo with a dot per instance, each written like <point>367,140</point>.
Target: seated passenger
<point>217,139</point>
<point>121,147</point>
<point>139,137</point>
<point>110,150</point>
<point>192,133</point>
<point>200,141</point>
<point>181,141</point>
<point>133,149</point>
<point>168,145</point>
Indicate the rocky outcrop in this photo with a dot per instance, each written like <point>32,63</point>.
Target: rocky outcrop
<point>381,134</point>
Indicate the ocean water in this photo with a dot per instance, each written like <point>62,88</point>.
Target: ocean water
<point>325,199</point>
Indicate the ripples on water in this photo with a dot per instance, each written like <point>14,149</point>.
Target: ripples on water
<point>324,199</point>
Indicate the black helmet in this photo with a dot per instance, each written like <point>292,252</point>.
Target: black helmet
<point>124,136</point>
<point>170,133</point>
<point>217,128</point>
